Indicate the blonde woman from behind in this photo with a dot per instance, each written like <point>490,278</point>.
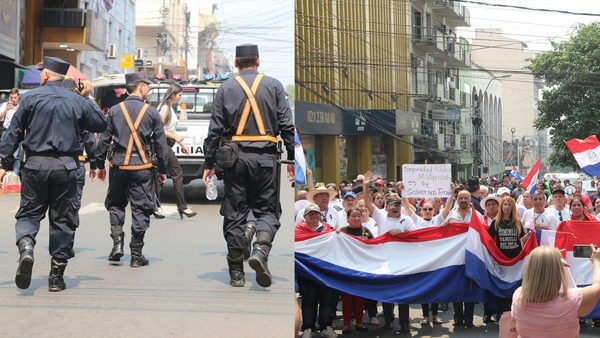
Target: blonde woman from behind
<point>541,307</point>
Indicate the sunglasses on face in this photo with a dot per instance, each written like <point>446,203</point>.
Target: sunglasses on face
<point>427,209</point>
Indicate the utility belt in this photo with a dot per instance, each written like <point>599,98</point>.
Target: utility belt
<point>266,150</point>
<point>51,154</point>
<point>131,167</point>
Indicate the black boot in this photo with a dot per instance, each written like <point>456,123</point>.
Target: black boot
<point>258,259</point>
<point>56,281</point>
<point>235,260</point>
<point>23,276</point>
<point>137,259</point>
<point>248,236</point>
<point>118,236</point>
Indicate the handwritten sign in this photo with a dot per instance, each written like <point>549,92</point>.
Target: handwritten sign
<point>426,180</point>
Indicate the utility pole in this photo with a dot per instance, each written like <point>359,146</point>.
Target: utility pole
<point>477,141</point>
<point>187,36</point>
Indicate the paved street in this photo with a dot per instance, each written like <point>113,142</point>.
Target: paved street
<point>436,331</point>
<point>184,292</point>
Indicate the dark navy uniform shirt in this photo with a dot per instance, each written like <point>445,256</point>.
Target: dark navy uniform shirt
<point>228,105</point>
<point>87,142</point>
<point>150,131</point>
<point>49,120</point>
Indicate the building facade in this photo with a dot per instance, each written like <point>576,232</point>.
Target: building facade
<point>502,55</point>
<point>351,87</point>
<point>438,60</point>
<point>162,33</point>
<point>118,22</point>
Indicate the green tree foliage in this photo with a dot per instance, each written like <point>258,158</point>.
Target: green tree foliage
<point>571,102</point>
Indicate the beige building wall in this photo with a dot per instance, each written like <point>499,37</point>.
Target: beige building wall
<point>495,52</point>
<point>150,14</point>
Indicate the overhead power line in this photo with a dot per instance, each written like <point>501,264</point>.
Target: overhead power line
<point>529,8</point>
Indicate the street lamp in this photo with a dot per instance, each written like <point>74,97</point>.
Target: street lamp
<point>478,121</point>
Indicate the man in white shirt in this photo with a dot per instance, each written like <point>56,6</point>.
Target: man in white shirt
<point>8,108</point>
<point>464,211</point>
<point>463,312</point>
<point>330,215</point>
<point>491,204</point>
<point>559,205</point>
<point>539,217</point>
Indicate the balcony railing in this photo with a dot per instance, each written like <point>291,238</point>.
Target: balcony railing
<point>63,17</point>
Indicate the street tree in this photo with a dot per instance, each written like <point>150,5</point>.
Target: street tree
<point>570,104</point>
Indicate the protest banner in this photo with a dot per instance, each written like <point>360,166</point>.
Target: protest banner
<point>426,180</point>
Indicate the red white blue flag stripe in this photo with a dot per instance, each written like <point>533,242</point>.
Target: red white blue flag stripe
<point>531,180</point>
<point>586,153</point>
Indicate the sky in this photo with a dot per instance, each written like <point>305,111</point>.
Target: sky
<point>270,24</point>
<point>535,28</point>
<point>267,23</point>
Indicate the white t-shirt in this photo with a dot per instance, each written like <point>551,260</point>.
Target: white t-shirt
<point>385,223</point>
<point>566,213</point>
<point>547,218</point>
<point>332,216</point>
<point>372,226</point>
<point>299,206</point>
<point>9,114</point>
<point>487,220</point>
<point>521,210</point>
<point>421,223</point>
<point>454,216</point>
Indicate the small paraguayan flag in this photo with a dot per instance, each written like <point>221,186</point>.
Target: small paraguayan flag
<point>299,161</point>
<point>515,173</point>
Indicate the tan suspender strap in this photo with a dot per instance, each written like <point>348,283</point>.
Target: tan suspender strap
<point>134,135</point>
<point>250,103</point>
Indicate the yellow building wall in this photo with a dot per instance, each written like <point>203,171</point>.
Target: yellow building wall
<point>355,54</point>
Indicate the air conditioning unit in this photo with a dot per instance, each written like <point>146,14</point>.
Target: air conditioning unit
<point>111,53</point>
<point>139,54</point>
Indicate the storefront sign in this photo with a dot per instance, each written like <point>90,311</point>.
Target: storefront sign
<point>318,119</point>
<point>426,180</point>
<point>408,123</point>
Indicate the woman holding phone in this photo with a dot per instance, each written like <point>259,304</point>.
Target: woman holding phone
<point>546,305</point>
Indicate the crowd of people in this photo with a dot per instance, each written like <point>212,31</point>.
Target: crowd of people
<point>369,207</point>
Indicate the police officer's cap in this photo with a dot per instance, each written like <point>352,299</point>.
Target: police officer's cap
<point>56,65</point>
<point>246,51</point>
<point>133,78</point>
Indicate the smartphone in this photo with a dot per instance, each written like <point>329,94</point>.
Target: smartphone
<point>584,251</point>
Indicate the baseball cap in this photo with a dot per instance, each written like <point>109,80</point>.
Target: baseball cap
<point>379,181</point>
<point>502,190</point>
<point>393,201</point>
<point>350,194</point>
<point>312,208</point>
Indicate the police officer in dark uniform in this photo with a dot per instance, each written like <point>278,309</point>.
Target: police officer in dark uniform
<point>49,121</point>
<point>87,143</point>
<point>249,112</point>
<point>132,126</point>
